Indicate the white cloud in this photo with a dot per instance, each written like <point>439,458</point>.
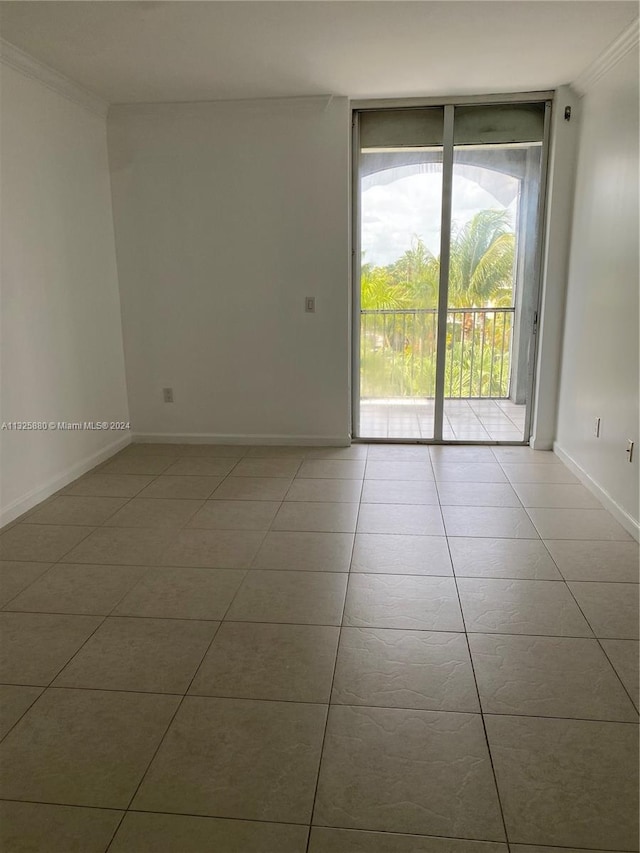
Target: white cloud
<point>392,214</point>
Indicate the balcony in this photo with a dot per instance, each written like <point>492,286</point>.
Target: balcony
<point>398,374</point>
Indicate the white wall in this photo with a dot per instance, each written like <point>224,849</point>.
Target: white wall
<point>62,355</point>
<point>599,376</point>
<point>227,215</point>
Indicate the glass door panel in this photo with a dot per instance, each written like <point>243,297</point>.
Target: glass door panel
<point>400,180</point>
<point>492,288</point>
<point>447,242</point>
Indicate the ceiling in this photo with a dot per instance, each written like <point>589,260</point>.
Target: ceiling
<point>129,52</point>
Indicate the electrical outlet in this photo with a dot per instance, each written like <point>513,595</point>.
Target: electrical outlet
<point>310,304</point>
<point>167,395</point>
<point>596,428</point>
<point>630,446</point>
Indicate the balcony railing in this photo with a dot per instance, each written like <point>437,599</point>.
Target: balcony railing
<point>398,353</point>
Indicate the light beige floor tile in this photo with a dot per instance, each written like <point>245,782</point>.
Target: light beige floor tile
<point>310,598</point>
<point>201,466</point>
<point>477,494</point>
<point>121,546</point>
<point>406,519</point>
<point>398,452</point>
<point>324,490</point>
<point>73,588</point>
<point>167,833</point>
<point>492,522</point>
<point>623,654</point>
<point>260,661</point>
<point>456,455</point>
<point>398,601</point>
<point>571,783</point>
<point>404,669</point>
<point>266,468</point>
<point>35,646</point>
<point>300,551</point>
<point>138,449</point>
<point>155,512</point>
<point>537,472</point>
<point>399,469</point>
<point>15,700</point>
<point>182,593</point>
<point>499,606</point>
<point>562,523</point>
<point>252,489</point>
<point>524,456</point>
<point>277,451</point>
<point>354,452</point>
<point>327,840</point>
<point>148,655</point>
<point>16,576</point>
<point>585,560</point>
<point>468,472</point>
<point>566,495</point>
<point>611,608</point>
<point>84,747</point>
<point>215,549</point>
<point>147,464</point>
<point>502,558</point>
<point>374,773</point>
<point>73,509</point>
<point>317,516</point>
<point>180,488</point>
<point>55,829</point>
<point>216,451</point>
<point>42,543</point>
<point>231,549</point>
<point>235,758</point>
<point>332,469</point>
<point>400,492</point>
<point>109,485</point>
<point>547,677</point>
<point>401,555</point>
<point>235,515</point>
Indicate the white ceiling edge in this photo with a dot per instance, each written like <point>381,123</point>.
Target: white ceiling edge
<point>305,104</point>
<point>617,50</point>
<point>31,67</point>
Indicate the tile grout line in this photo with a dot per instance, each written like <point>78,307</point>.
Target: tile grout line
<point>475,681</point>
<point>333,675</point>
<point>595,635</point>
<point>173,716</point>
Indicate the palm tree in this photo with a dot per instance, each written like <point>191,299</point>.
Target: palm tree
<point>481,272</point>
<point>481,263</point>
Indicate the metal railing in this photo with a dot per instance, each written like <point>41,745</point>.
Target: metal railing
<point>398,352</point>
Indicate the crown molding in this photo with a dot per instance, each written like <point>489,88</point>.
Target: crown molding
<point>17,59</point>
<point>617,50</point>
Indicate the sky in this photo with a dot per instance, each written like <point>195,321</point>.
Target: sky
<point>392,213</point>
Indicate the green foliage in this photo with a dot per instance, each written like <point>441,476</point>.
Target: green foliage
<point>398,347</point>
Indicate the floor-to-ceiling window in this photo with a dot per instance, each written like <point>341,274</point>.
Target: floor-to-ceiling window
<point>447,235</point>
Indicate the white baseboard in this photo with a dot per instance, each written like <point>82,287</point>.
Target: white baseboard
<point>627,521</point>
<point>41,493</point>
<point>214,438</point>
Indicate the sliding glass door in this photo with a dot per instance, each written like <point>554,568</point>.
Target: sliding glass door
<point>447,237</point>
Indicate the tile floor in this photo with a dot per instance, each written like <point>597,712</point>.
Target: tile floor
<point>464,420</point>
<point>375,649</point>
